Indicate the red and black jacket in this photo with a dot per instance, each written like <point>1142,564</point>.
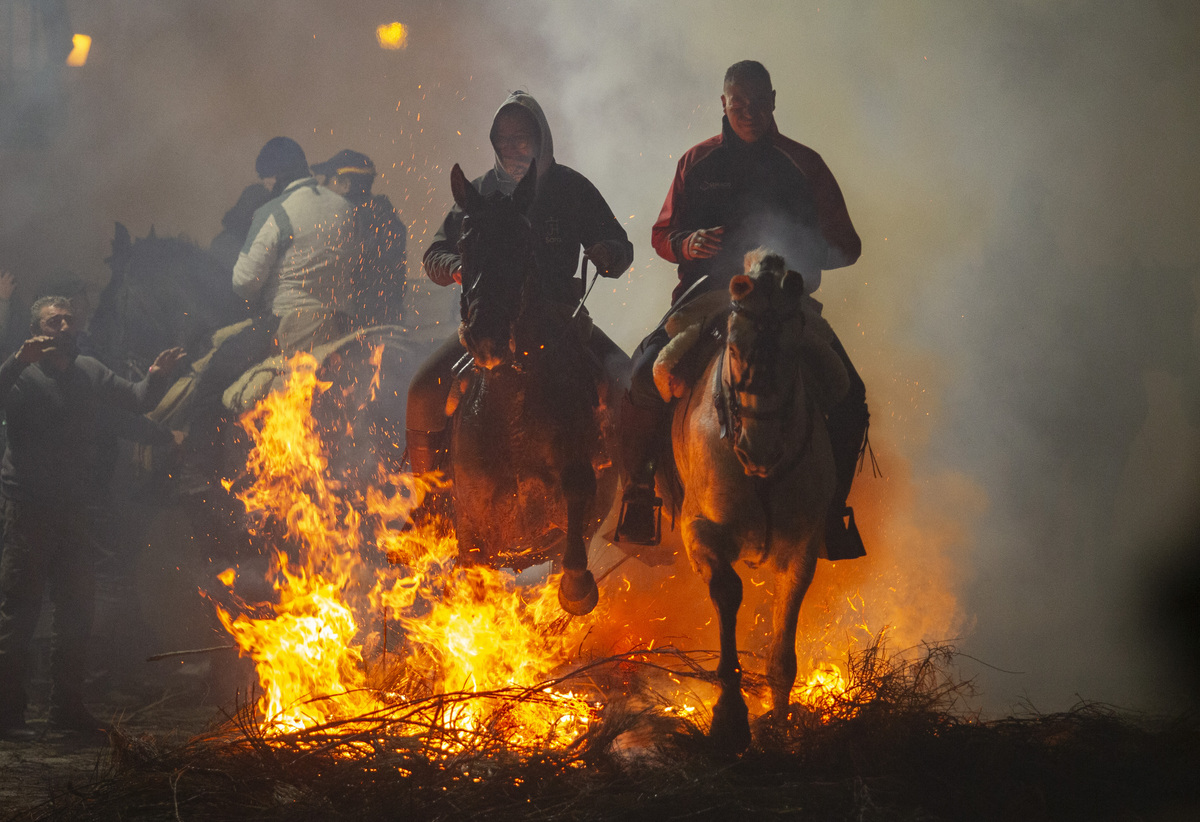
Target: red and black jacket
<point>774,192</point>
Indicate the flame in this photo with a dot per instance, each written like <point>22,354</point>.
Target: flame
<point>463,629</point>
<point>372,619</point>
<point>392,36</point>
<point>820,692</point>
<point>81,44</point>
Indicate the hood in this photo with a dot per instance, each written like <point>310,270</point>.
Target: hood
<point>545,154</point>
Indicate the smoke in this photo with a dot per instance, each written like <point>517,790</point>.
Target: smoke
<point>1023,177</point>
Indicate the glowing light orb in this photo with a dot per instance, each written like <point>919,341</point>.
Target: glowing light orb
<point>392,36</point>
<point>81,44</point>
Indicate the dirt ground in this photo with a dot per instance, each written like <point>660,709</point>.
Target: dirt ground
<point>179,701</point>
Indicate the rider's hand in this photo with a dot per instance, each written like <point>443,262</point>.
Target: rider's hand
<point>702,244</point>
<point>601,256</point>
<point>34,348</point>
<point>167,360</point>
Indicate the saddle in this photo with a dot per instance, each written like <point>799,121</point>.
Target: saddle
<point>697,330</point>
<point>271,374</point>
<point>175,406</point>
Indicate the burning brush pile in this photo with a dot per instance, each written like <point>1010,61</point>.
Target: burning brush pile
<point>394,682</point>
<point>377,631</point>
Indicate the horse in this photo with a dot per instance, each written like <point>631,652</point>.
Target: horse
<point>528,452</point>
<point>756,469</point>
<point>167,291</point>
<point>163,292</point>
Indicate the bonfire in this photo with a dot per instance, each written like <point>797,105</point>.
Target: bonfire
<point>397,681</point>
<point>379,627</point>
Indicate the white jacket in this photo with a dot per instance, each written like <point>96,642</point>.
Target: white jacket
<point>297,252</point>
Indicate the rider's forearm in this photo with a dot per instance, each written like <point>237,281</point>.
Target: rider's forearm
<point>440,264</point>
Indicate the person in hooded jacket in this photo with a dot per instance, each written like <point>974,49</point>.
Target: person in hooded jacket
<point>568,213</point>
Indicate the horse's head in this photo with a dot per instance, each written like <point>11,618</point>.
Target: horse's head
<point>497,260</point>
<point>762,361</point>
<point>164,291</point>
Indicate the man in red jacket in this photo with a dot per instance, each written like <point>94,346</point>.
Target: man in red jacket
<point>747,187</point>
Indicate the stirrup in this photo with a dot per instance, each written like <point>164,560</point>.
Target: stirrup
<point>842,540</point>
<point>640,522</point>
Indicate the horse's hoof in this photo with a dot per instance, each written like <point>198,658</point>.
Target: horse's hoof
<point>577,592</point>
<point>730,731</point>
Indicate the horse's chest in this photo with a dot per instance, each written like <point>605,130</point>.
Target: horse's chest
<point>513,425</point>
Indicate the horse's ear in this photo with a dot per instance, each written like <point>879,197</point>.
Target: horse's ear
<point>523,195</point>
<point>740,287</point>
<point>122,243</point>
<point>465,195</point>
<point>792,283</point>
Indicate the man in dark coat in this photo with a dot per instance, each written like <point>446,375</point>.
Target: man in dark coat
<point>54,399</point>
<point>567,214</point>
<point>747,187</point>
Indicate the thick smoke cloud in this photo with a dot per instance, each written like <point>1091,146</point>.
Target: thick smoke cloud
<point>1023,177</point>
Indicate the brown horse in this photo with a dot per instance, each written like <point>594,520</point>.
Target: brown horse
<point>531,479</point>
<point>757,473</point>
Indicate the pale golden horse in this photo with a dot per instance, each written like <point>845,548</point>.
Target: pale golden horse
<point>757,471</point>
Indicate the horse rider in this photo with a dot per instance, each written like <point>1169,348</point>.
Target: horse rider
<point>296,257</point>
<point>567,213</point>
<point>56,401</point>
<point>749,186</point>
<point>379,262</point>
<point>236,222</point>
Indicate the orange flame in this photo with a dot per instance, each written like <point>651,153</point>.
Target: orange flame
<point>466,629</point>
<point>371,616</point>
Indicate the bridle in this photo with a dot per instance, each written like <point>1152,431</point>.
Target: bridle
<point>758,379</point>
<point>524,258</point>
<point>763,359</point>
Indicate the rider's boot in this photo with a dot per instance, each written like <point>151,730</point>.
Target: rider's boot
<point>427,453</point>
<point>640,522</point>
<point>847,435</point>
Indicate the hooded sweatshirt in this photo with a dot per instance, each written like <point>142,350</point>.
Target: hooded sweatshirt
<point>568,214</point>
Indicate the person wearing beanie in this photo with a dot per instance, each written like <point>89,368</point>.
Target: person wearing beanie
<point>295,262</point>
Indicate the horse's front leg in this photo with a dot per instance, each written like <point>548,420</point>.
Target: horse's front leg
<point>712,547</point>
<point>577,591</point>
<point>792,584</point>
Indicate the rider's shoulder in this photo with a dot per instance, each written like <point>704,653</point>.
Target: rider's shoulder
<point>700,151</point>
<point>564,181</point>
<point>806,158</point>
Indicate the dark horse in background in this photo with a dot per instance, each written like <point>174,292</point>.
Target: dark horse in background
<point>166,291</point>
<point>163,292</point>
<point>531,472</point>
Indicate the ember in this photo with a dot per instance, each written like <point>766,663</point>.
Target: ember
<point>392,36</point>
<point>81,44</point>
